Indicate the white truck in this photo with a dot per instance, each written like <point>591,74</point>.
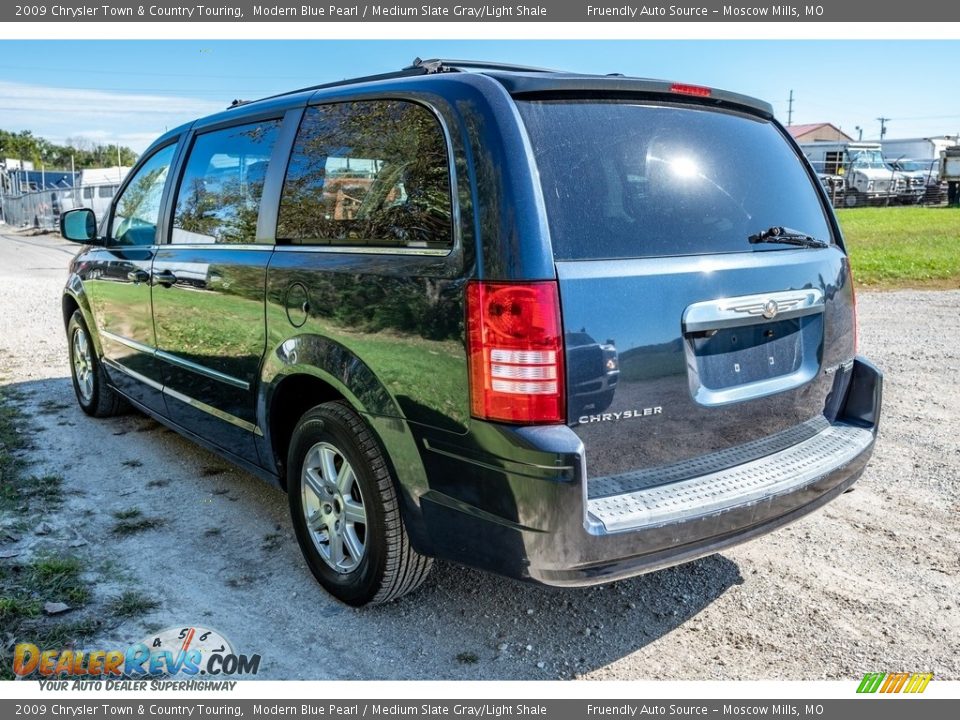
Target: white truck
<point>919,160</point>
<point>867,178</point>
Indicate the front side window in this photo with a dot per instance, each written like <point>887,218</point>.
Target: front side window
<point>219,196</point>
<point>138,207</point>
<point>371,173</point>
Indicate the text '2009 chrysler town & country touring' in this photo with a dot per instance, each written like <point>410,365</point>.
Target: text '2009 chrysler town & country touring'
<point>567,328</point>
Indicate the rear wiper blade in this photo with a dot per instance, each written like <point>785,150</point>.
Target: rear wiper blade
<point>787,237</point>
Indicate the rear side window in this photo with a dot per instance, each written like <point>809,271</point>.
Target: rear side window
<point>640,180</point>
<point>219,196</point>
<point>371,173</point>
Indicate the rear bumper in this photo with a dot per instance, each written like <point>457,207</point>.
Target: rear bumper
<point>532,516</point>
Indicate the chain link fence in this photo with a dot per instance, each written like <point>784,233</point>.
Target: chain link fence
<point>42,209</point>
<point>905,182</point>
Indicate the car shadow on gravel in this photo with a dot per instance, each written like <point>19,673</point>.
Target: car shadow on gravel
<point>462,624</point>
<point>546,632</point>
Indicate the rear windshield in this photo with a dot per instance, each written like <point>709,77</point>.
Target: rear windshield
<point>626,179</point>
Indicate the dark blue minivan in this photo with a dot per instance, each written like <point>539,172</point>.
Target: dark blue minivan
<point>568,328</point>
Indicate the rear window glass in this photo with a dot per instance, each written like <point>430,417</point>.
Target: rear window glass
<point>637,180</point>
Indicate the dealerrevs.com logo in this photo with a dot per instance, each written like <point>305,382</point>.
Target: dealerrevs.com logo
<point>911,683</point>
<point>181,653</point>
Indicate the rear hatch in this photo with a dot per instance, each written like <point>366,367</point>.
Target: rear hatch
<point>684,340</point>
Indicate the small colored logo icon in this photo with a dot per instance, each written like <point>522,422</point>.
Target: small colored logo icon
<point>895,682</point>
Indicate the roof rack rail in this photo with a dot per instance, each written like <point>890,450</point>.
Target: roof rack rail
<point>406,72</point>
<point>417,67</point>
<point>437,65</point>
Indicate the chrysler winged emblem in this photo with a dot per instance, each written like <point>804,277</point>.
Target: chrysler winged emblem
<point>770,309</point>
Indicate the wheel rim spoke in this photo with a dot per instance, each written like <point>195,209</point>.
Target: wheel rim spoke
<point>354,546</point>
<point>316,522</point>
<point>328,458</point>
<point>353,512</point>
<point>314,482</point>
<point>335,544</point>
<point>345,479</point>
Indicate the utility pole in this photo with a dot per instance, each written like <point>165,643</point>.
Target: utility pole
<point>119,171</point>
<point>883,125</point>
<point>859,133</point>
<point>790,109</point>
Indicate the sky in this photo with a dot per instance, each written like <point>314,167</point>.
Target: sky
<point>132,91</point>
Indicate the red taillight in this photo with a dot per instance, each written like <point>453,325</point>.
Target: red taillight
<point>515,349</point>
<point>695,90</point>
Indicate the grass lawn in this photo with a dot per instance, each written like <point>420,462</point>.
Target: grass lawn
<point>903,247</point>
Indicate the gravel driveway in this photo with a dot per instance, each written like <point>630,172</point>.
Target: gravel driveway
<point>871,582</point>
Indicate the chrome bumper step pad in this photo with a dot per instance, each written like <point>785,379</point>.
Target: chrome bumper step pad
<point>739,486</point>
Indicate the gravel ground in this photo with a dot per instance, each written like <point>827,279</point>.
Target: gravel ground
<point>871,582</point>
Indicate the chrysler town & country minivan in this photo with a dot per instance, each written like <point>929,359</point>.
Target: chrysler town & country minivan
<point>567,328</point>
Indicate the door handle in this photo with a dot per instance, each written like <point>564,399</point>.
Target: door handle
<point>138,276</point>
<point>165,278</point>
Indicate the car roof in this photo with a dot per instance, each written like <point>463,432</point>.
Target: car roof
<point>525,81</point>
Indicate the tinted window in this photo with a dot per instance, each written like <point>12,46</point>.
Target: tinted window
<point>219,196</point>
<point>106,191</point>
<point>88,192</point>
<point>631,180</point>
<point>368,174</point>
<point>138,207</point>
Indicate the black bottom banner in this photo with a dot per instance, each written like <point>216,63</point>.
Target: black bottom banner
<point>874,708</point>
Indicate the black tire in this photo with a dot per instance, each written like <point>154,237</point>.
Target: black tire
<point>852,199</point>
<point>96,398</point>
<point>388,567</point>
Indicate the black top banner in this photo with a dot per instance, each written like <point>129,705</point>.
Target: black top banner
<point>446,11</point>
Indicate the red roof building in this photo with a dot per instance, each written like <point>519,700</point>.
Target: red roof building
<point>817,131</point>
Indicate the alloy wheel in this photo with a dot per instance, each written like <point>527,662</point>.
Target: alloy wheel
<point>83,364</point>
<point>333,507</point>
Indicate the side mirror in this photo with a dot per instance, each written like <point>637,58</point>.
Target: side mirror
<point>79,225</point>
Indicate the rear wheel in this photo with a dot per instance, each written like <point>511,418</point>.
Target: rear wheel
<point>95,397</point>
<point>345,509</point>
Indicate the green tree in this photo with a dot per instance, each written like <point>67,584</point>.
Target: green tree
<point>25,146</point>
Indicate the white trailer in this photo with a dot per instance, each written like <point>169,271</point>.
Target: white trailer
<point>928,148</point>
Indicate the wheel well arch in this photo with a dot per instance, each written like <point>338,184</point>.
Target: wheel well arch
<point>69,306</point>
<point>293,396</point>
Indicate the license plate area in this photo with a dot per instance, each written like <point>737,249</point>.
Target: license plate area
<point>735,352</point>
<point>736,356</point>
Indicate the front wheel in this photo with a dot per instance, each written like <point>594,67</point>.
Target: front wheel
<point>95,397</point>
<point>345,509</point>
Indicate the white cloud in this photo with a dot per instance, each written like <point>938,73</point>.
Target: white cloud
<point>133,119</point>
